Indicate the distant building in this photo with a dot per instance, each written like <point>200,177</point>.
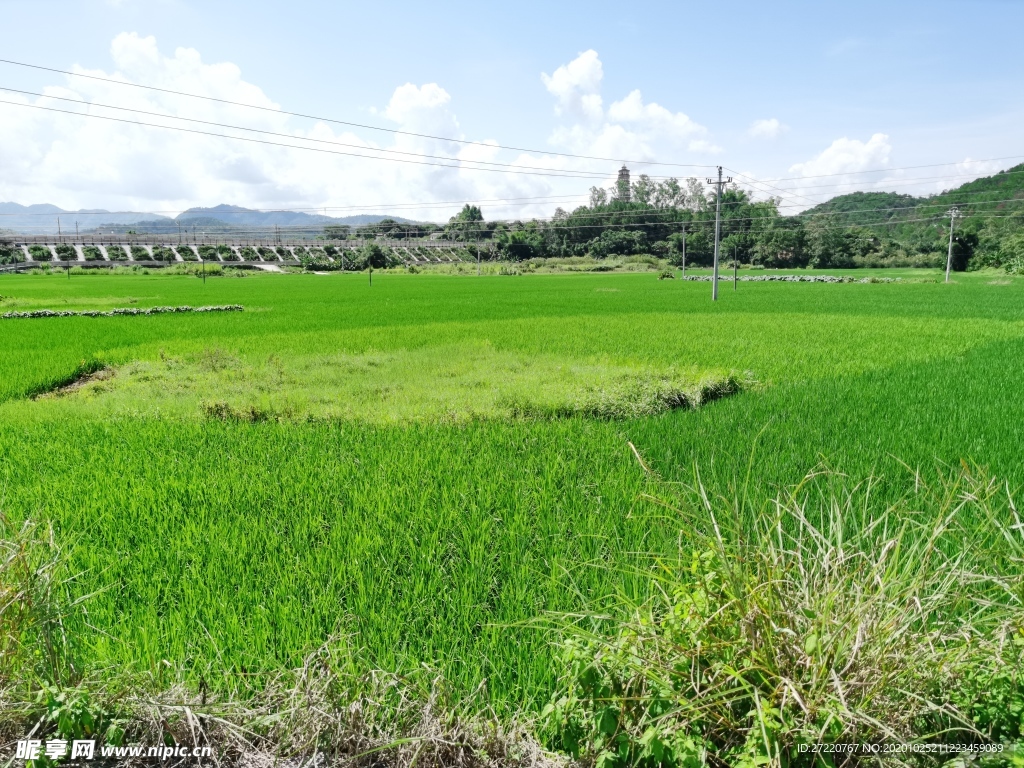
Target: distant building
<point>622,185</point>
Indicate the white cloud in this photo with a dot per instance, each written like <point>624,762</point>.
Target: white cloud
<point>848,156</point>
<point>423,109</point>
<point>702,145</point>
<point>766,129</point>
<point>840,169</point>
<point>653,118</point>
<point>966,171</point>
<point>577,86</point>
<point>630,128</point>
<point>81,162</point>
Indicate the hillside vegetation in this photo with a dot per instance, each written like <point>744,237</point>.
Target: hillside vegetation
<point>676,221</point>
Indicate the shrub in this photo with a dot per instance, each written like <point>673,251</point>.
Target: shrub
<point>92,253</point>
<point>318,262</point>
<point>1012,254</point>
<point>11,254</point>
<point>829,617</point>
<point>66,252</point>
<point>40,253</point>
<point>267,254</point>
<point>374,256</point>
<point>227,253</point>
<point>162,253</point>
<point>249,253</point>
<point>618,243</point>
<point>186,253</point>
<point>117,253</point>
<point>208,252</point>
<point>666,274</point>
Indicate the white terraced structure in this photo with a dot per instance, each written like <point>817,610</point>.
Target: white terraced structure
<point>152,250</point>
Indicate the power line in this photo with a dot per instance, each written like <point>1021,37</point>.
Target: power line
<point>588,174</point>
<point>900,168</point>
<point>456,165</point>
<point>343,122</point>
<point>466,141</point>
<point>707,224</point>
<point>675,213</point>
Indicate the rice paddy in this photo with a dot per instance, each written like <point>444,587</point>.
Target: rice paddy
<point>417,471</point>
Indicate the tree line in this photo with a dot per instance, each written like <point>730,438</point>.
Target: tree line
<point>670,219</point>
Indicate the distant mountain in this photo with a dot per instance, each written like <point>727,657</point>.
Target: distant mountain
<point>246,217</point>
<point>44,219</point>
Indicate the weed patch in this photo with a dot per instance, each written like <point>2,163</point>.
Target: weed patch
<point>825,618</point>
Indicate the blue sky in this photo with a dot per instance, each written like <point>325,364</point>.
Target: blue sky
<point>790,90</point>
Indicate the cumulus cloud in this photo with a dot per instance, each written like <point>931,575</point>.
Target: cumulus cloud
<point>652,117</point>
<point>766,129</point>
<point>577,86</point>
<point>848,156</point>
<point>74,161</point>
<point>840,168</point>
<point>630,127</point>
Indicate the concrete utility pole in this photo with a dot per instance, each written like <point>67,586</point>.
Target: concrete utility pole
<point>684,252</point>
<point>718,226</point>
<point>735,267</point>
<point>953,213</point>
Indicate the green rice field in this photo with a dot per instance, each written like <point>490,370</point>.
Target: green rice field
<point>424,470</point>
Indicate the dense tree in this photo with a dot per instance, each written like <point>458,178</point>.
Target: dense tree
<point>964,245</point>
<point>850,230</point>
<point>337,231</point>
<point>467,224</point>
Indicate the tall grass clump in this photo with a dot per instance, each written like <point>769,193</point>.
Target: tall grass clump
<point>825,618</point>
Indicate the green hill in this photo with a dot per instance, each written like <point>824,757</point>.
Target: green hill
<point>990,231</point>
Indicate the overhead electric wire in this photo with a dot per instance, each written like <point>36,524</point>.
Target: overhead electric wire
<point>467,141</point>
<point>555,174</point>
<point>319,227</point>
<point>889,185</point>
<point>513,166</point>
<point>900,168</point>
<point>345,122</point>
<point>459,163</point>
<point>274,231</point>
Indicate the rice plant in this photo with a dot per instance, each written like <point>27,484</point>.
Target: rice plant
<point>347,461</point>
